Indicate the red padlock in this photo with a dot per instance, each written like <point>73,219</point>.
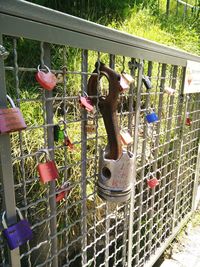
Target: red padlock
<point>86,103</point>
<point>67,141</point>
<point>47,80</point>
<point>65,191</point>
<point>11,119</point>
<point>188,121</point>
<point>152,182</point>
<point>47,170</point>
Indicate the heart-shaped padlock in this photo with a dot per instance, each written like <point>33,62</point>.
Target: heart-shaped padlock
<point>152,182</point>
<point>47,80</point>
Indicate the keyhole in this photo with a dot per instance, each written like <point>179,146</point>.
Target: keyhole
<point>106,172</point>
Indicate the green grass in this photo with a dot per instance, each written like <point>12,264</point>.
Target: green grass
<point>171,31</point>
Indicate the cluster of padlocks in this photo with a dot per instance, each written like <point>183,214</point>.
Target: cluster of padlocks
<point>116,164</point>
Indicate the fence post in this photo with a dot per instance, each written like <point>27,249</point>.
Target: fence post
<point>196,179</point>
<point>6,170</point>
<point>167,7</point>
<point>137,120</point>
<point>50,144</point>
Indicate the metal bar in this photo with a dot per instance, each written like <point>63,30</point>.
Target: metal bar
<point>132,201</point>
<point>165,160</point>
<point>6,169</point>
<point>50,144</point>
<point>178,147</point>
<point>84,68</point>
<point>34,30</point>
<point>43,15</point>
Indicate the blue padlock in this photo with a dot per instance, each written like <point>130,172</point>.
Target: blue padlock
<point>151,117</point>
<point>17,234</point>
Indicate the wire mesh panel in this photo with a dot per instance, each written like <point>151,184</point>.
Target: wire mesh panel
<point>71,224</point>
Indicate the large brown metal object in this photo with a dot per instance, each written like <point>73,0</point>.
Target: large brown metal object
<point>116,164</point>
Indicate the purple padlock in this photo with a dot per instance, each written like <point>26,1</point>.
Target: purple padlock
<point>17,234</point>
<point>151,117</point>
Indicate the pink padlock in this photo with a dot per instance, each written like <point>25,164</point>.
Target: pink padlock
<point>86,103</point>
<point>170,91</point>
<point>126,137</point>
<point>125,81</point>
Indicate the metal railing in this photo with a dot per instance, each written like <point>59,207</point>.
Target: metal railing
<point>83,230</point>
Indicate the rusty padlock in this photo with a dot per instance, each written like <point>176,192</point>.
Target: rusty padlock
<point>18,233</point>
<point>11,119</point>
<point>47,79</point>
<point>47,170</point>
<point>116,165</point>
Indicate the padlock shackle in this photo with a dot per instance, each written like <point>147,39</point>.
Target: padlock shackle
<point>4,219</point>
<point>11,101</point>
<point>108,107</point>
<point>41,151</point>
<point>38,68</point>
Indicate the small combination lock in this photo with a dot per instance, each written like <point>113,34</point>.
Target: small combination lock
<point>11,119</point>
<point>47,170</point>
<point>17,234</point>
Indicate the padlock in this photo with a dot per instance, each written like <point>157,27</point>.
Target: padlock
<point>146,82</point>
<point>152,182</point>
<point>3,52</point>
<point>188,121</point>
<point>126,137</point>
<point>67,141</point>
<point>58,133</point>
<point>170,91</point>
<point>17,234</point>
<point>90,127</point>
<point>47,170</point>
<point>151,117</point>
<point>116,177</point>
<point>47,79</point>
<point>65,191</point>
<point>11,119</point>
<point>85,102</point>
<point>125,81</point>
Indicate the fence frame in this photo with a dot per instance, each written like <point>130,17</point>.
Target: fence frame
<point>23,19</point>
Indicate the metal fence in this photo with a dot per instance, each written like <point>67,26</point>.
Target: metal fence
<point>84,230</point>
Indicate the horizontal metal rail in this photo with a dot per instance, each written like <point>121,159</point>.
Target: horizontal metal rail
<point>21,18</point>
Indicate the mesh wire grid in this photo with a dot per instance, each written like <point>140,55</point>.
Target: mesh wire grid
<point>83,230</point>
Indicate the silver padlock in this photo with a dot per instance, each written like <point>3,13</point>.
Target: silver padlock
<point>116,177</point>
